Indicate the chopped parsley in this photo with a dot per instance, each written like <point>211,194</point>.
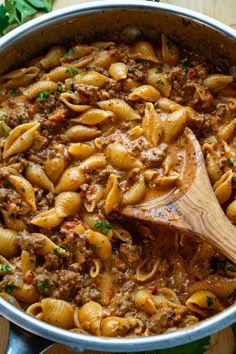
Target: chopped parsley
<point>56,251</point>
<point>220,265</point>
<point>10,288</point>
<point>59,88</point>
<point>43,95</point>
<point>71,52</point>
<point>43,285</point>
<point>3,117</point>
<point>73,71</point>
<point>5,268</point>
<point>230,162</point>
<point>160,82</point>
<point>103,226</point>
<point>22,189</point>
<point>158,71</point>
<point>95,247</point>
<point>170,44</point>
<point>210,301</point>
<point>13,93</point>
<point>20,119</point>
<point>2,129</point>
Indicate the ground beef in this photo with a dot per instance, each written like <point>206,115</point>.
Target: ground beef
<point>29,243</point>
<point>130,253</point>
<point>87,294</point>
<point>154,156</point>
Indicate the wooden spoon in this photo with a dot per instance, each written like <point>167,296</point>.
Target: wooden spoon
<point>192,209</point>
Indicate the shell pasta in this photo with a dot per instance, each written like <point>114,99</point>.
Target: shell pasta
<point>86,131</point>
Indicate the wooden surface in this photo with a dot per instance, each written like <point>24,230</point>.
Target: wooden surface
<point>225,11</point>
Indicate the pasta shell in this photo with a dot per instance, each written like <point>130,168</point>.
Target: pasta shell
<point>78,52</point>
<point>166,181</point>
<point>113,195</point>
<point>95,161</point>
<point>24,189</point>
<point>27,294</point>
<point>20,139</point>
<point>58,74</point>
<point>100,244</point>
<point>104,59</point>
<point>28,261</point>
<point>217,82</point>
<point>135,132</point>
<point>54,167</point>
<point>121,158</point>
<point>145,92</point>
<point>120,108</point>
<point>81,151</point>
<point>19,77</point>
<point>143,50</point>
<point>231,211</point>
<point>174,124</point>
<point>160,81</point>
<point>169,51</point>
<point>71,179</point>
<point>35,89</point>
<point>89,317</point>
<point>47,219</point>
<point>130,84</point>
<point>95,268</point>
<point>144,302</point>
<point>13,223</point>
<point>81,133</point>
<point>223,187</point>
<point>121,234</point>
<point>81,63</point>
<point>221,287</point>
<point>167,105</point>
<point>213,168</point>
<point>36,176</point>
<point>93,116</point>
<point>117,326</point>
<point>106,288</point>
<point>52,58</point>
<point>202,301</point>
<point>68,98</point>
<point>58,313</point>
<point>136,192</point>
<point>226,131</point>
<point>152,125</point>
<point>92,199</point>
<point>8,243</point>
<point>91,77</point>
<point>67,203</point>
<point>142,275</point>
<point>48,246</point>
<point>102,45</point>
<point>118,71</point>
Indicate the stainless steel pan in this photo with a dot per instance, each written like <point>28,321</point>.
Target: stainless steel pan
<point>203,34</point>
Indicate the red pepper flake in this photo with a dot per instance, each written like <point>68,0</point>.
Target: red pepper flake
<point>29,277</point>
<point>112,139</point>
<point>57,117</point>
<point>192,73</point>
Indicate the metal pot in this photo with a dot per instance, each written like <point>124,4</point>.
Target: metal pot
<point>217,42</point>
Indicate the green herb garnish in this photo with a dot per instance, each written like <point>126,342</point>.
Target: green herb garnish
<point>186,64</point>
<point>230,162</point>
<point>43,95</point>
<point>18,11</point>
<point>73,71</point>
<point>10,288</point>
<point>158,71</point>
<point>2,129</point>
<point>13,93</point>
<point>22,189</point>
<point>59,88</point>
<point>20,119</point>
<point>3,117</point>
<point>210,301</point>
<point>5,268</point>
<point>160,82</point>
<point>103,226</point>
<point>56,251</point>
<point>43,285</point>
<point>95,247</point>
<point>170,44</point>
<point>220,265</point>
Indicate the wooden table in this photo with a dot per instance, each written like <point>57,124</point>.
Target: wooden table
<point>222,342</point>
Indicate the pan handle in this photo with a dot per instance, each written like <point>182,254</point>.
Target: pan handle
<point>22,342</point>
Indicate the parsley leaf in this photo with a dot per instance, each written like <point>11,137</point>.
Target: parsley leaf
<point>170,44</point>
<point>43,95</point>
<point>159,82</point>
<point>230,162</point>
<point>210,301</point>
<point>20,119</point>
<point>103,226</point>
<point>158,71</point>
<point>43,285</point>
<point>4,23</point>
<point>73,71</point>
<point>59,88</point>
<point>220,265</point>
<point>5,268</point>
<point>10,288</point>
<point>13,93</point>
<point>56,251</point>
